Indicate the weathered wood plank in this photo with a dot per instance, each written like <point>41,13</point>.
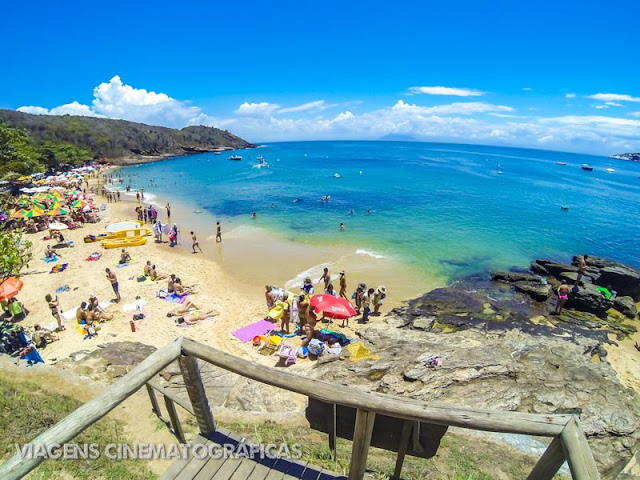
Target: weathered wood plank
<point>226,470</point>
<point>195,464</point>
<point>408,409</point>
<point>92,411</point>
<point>278,470</point>
<point>295,470</point>
<point>197,394</point>
<point>210,468</point>
<point>176,426</point>
<point>175,469</point>
<point>402,449</point>
<point>361,441</point>
<point>577,451</point>
<point>185,404</point>
<point>259,473</point>
<point>550,462</point>
<point>244,470</point>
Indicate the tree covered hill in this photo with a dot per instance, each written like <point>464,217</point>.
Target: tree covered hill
<point>119,139</point>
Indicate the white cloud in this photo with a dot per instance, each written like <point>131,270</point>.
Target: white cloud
<point>614,97</point>
<point>317,105</point>
<point>592,119</point>
<point>527,89</point>
<point>570,95</point>
<point>613,104</point>
<point>635,114</point>
<point>33,110</point>
<point>117,100</point>
<point>456,92</point>
<point>464,108</point>
<point>599,107</point>
<point>256,109</point>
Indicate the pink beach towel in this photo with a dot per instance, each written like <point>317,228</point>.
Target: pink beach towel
<point>173,298</point>
<point>246,334</point>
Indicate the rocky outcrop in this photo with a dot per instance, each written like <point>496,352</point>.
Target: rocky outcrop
<point>504,352</point>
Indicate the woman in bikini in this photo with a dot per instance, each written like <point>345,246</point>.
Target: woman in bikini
<point>53,306</point>
<point>563,296</point>
<point>194,317</point>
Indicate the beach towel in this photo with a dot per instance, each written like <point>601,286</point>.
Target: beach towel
<point>133,306</point>
<point>148,282</point>
<point>93,257</point>
<point>63,288</point>
<point>51,260</point>
<point>59,268</point>
<point>358,352</point>
<point>117,263</point>
<point>246,334</point>
<point>173,298</point>
<point>121,265</point>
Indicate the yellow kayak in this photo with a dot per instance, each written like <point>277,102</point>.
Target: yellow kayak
<point>124,242</point>
<point>132,232</point>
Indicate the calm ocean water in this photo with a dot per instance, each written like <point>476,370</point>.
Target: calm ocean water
<point>442,209</point>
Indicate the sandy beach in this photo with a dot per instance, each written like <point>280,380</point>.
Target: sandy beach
<point>228,278</point>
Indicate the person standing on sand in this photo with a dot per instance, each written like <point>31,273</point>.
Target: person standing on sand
<point>270,297</point>
<point>138,197</point>
<point>218,233</point>
<point>378,296</point>
<point>343,286</point>
<point>366,303</point>
<point>114,283</point>
<point>326,278</point>
<point>195,243</point>
<point>168,207</point>
<point>582,267</point>
<point>54,306</point>
<point>563,296</point>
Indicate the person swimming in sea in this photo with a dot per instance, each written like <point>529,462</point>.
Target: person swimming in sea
<point>253,215</point>
<point>341,226</point>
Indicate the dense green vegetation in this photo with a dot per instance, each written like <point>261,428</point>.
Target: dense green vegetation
<point>39,141</point>
<point>15,253</point>
<point>26,410</point>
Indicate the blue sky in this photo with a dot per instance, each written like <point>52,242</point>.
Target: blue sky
<point>553,75</point>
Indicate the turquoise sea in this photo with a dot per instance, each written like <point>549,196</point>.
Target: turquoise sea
<point>440,209</point>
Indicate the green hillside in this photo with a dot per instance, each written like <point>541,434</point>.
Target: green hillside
<point>105,139</point>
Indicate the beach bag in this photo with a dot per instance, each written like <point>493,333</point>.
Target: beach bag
<point>141,278</point>
<point>316,347</point>
<point>162,293</point>
<point>138,316</point>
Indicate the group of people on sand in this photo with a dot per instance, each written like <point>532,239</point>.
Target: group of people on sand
<point>299,312</point>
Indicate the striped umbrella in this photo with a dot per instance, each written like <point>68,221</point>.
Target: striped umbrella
<point>58,211</point>
<point>19,213</point>
<point>79,204</point>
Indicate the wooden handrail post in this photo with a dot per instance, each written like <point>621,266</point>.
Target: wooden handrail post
<point>402,447</point>
<point>361,441</point>
<point>549,463</point>
<point>197,394</point>
<point>154,401</point>
<point>578,453</point>
<point>333,432</point>
<point>175,420</point>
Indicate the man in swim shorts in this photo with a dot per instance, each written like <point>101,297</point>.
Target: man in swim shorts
<point>218,232</point>
<point>195,243</point>
<point>582,267</point>
<point>111,276</point>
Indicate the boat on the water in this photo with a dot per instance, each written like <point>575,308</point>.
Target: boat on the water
<point>587,167</point>
<point>260,158</point>
<point>610,170</point>
<point>217,153</point>
<point>235,157</point>
<point>561,163</point>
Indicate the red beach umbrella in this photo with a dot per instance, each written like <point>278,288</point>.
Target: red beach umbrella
<point>332,307</point>
<point>10,288</point>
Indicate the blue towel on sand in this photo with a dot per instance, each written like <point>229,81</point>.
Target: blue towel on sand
<point>51,260</point>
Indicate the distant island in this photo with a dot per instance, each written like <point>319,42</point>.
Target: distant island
<point>632,157</point>
<point>39,142</point>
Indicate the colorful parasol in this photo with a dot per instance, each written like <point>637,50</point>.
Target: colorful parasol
<point>10,288</point>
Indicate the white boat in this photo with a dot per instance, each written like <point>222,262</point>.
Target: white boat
<point>337,175</point>
<point>610,170</point>
<point>260,158</point>
<point>217,153</point>
<point>261,163</point>
<point>560,163</point>
<point>587,167</point>
<point>236,158</point>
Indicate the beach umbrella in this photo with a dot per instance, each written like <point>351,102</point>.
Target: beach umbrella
<point>10,288</point>
<point>58,226</point>
<point>34,212</point>
<point>79,204</point>
<point>19,213</point>
<point>333,307</point>
<point>58,211</point>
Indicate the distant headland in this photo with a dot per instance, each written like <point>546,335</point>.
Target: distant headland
<point>120,141</point>
<point>632,157</point>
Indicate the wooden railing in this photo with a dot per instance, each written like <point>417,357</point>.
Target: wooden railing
<point>568,441</point>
